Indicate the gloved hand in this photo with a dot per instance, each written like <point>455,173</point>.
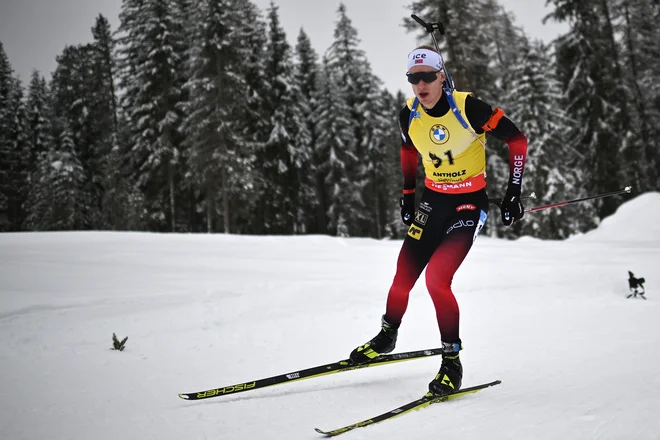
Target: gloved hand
<point>512,207</point>
<point>407,203</point>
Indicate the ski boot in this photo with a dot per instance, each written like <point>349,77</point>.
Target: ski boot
<point>449,378</point>
<point>383,342</point>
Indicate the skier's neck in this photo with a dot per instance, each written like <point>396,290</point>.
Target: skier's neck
<point>440,108</point>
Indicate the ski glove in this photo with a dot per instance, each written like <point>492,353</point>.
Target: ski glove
<point>407,203</point>
<point>512,207</point>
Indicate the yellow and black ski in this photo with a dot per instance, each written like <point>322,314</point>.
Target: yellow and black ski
<point>321,370</point>
<point>428,399</point>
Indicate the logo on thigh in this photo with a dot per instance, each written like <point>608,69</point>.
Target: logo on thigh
<point>415,232</point>
<point>421,218</point>
<point>460,224</point>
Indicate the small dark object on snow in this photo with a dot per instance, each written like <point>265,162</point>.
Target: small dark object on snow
<point>116,345</point>
<point>634,284</point>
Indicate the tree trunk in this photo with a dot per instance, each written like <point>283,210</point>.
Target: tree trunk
<point>170,178</point>
<point>209,211</point>
<point>225,200</point>
<point>320,211</point>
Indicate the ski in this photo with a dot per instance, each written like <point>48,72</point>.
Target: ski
<point>423,402</point>
<point>309,373</point>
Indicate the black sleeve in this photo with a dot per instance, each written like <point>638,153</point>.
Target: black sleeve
<point>478,113</point>
<point>404,119</point>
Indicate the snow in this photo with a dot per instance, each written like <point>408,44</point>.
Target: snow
<point>57,165</point>
<point>550,319</point>
<point>638,221</point>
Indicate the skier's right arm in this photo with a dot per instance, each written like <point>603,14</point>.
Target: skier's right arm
<point>408,167</point>
<point>408,153</point>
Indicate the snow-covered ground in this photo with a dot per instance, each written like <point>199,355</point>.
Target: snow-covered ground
<point>576,358</point>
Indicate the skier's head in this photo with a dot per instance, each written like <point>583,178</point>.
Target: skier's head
<point>426,75</point>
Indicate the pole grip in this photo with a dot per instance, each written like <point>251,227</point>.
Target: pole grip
<point>419,20</point>
<point>428,27</point>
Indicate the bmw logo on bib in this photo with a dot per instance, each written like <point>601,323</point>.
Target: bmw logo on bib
<point>439,134</point>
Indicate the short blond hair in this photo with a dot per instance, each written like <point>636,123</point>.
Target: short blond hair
<point>427,47</point>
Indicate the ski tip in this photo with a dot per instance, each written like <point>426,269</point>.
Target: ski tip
<point>327,434</point>
<point>184,396</point>
<point>489,384</point>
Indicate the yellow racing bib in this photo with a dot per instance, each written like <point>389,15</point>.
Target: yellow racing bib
<point>454,160</point>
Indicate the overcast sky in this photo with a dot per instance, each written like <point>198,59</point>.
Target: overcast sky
<point>35,31</point>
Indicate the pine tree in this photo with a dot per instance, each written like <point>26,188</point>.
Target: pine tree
<point>641,47</point>
<point>41,143</point>
<point>73,92</point>
<point>553,169</point>
<point>215,100</point>
<point>150,69</point>
<point>278,160</point>
<point>243,185</point>
<point>336,153</point>
<point>105,163</point>
<point>505,42</point>
<point>590,72</point>
<point>39,119</point>
<point>15,153</point>
<point>123,202</point>
<point>55,198</point>
<point>357,89</point>
<point>19,133</point>
<point>104,66</point>
<point>6,88</point>
<point>383,189</point>
<point>311,206</point>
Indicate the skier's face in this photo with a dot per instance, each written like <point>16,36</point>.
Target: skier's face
<point>428,93</point>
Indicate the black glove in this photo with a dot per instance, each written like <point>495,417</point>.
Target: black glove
<point>407,203</point>
<point>512,207</point>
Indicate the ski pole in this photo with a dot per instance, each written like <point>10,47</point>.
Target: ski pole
<point>498,201</point>
<point>626,190</point>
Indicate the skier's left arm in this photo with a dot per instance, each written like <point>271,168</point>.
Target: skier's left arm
<point>484,118</point>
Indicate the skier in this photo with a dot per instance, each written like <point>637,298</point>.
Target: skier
<point>453,206</point>
<point>634,284</point>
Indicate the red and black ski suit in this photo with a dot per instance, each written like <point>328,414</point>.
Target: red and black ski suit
<point>449,215</point>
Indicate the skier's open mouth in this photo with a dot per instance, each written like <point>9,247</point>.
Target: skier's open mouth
<point>423,95</point>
